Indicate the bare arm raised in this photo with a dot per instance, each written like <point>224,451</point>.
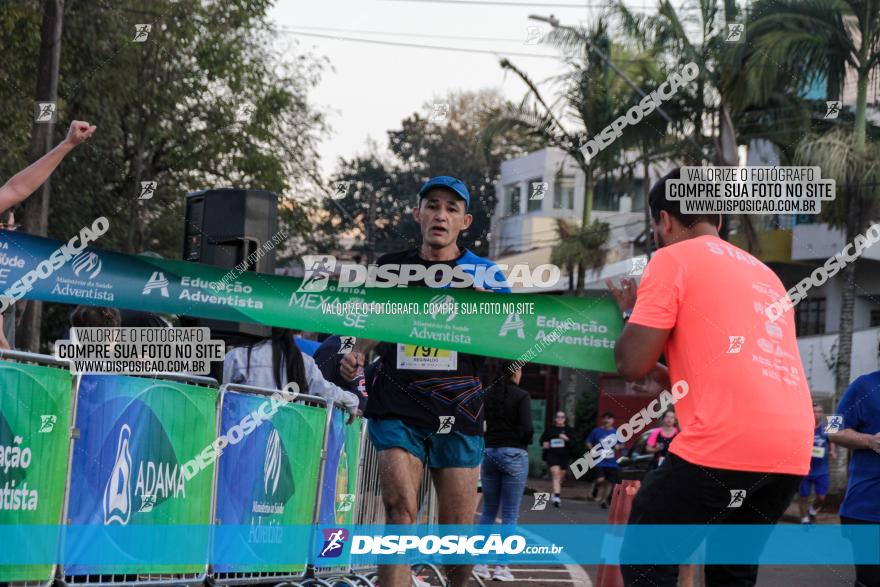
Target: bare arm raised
<point>26,181</point>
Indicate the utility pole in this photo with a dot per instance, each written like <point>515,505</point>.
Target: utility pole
<point>371,227</point>
<point>36,208</point>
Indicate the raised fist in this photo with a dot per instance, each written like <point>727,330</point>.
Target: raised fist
<point>79,132</point>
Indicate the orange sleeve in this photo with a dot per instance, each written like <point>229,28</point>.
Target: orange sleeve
<point>660,292</point>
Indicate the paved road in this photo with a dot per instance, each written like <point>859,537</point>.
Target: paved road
<point>581,512</point>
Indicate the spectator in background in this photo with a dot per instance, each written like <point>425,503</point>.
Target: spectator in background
<point>859,430</point>
<point>818,475</point>
<point>556,442</point>
<point>307,345</point>
<point>95,317</point>
<point>8,318</point>
<point>274,362</point>
<point>505,459</point>
<point>608,472</point>
<point>658,441</point>
<point>25,182</point>
<point>329,359</point>
<point>138,319</point>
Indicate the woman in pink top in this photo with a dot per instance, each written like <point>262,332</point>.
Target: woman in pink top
<point>658,442</point>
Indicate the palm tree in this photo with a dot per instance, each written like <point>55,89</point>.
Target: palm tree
<point>820,40</point>
<point>581,247</point>
<point>590,97</point>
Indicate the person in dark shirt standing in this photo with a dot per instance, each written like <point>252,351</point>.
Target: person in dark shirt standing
<point>505,467</point>
<point>556,442</point>
<point>425,405</point>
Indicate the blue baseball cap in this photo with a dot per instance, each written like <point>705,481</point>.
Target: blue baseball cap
<point>450,183</point>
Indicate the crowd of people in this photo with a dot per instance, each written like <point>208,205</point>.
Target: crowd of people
<point>742,425</point>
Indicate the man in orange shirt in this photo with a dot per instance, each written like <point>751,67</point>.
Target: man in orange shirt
<point>747,421</point>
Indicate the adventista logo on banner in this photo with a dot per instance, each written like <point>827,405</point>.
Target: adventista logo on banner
<point>157,281</point>
<point>87,262</point>
<point>272,463</point>
<point>117,492</point>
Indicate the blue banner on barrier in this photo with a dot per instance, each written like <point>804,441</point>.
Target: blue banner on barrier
<point>266,480</point>
<point>789,544</point>
<point>136,438</point>
<point>335,470</point>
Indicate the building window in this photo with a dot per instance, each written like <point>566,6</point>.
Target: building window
<point>563,193</point>
<point>875,318</point>
<point>514,195</point>
<point>810,316</point>
<point>537,189</point>
<point>608,191</point>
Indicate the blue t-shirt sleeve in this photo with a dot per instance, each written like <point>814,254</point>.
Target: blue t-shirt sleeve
<point>591,437</point>
<point>850,405</point>
<point>486,273</point>
<point>327,358</point>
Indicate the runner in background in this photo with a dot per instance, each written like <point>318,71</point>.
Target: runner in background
<point>818,475</point>
<point>274,362</point>
<point>658,441</point>
<point>745,413</point>
<point>425,405</point>
<point>859,430</point>
<point>557,444</point>
<point>505,459</point>
<point>607,470</point>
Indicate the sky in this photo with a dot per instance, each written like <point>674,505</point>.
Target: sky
<point>371,87</point>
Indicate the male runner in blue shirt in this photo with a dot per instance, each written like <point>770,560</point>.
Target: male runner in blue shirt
<point>418,390</point>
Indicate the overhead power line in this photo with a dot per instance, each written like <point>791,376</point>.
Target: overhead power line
<point>529,5</point>
<point>498,53</point>
<point>398,34</point>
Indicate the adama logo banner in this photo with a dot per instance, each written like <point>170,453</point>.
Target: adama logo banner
<point>134,435</point>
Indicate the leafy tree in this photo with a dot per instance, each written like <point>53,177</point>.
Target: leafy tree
<point>207,100</point>
<point>422,148</point>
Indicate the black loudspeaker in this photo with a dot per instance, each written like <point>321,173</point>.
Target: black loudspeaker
<point>223,227</point>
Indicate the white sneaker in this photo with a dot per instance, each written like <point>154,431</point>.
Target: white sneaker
<point>805,520</point>
<point>502,574</point>
<point>482,571</point>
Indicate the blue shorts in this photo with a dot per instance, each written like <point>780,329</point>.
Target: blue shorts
<point>821,482</point>
<point>440,451</point>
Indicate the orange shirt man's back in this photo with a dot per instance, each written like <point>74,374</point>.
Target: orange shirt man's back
<point>748,407</point>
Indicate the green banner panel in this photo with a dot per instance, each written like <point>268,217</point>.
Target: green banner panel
<point>267,482</point>
<point>35,404</point>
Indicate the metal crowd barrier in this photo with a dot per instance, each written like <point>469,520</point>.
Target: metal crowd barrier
<point>122,579</point>
<point>251,577</point>
<point>367,506</point>
<point>42,575</point>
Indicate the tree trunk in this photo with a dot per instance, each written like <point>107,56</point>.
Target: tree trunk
<point>588,195</point>
<point>854,195</point>
<point>837,468</point>
<point>36,208</point>
<point>579,288</point>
